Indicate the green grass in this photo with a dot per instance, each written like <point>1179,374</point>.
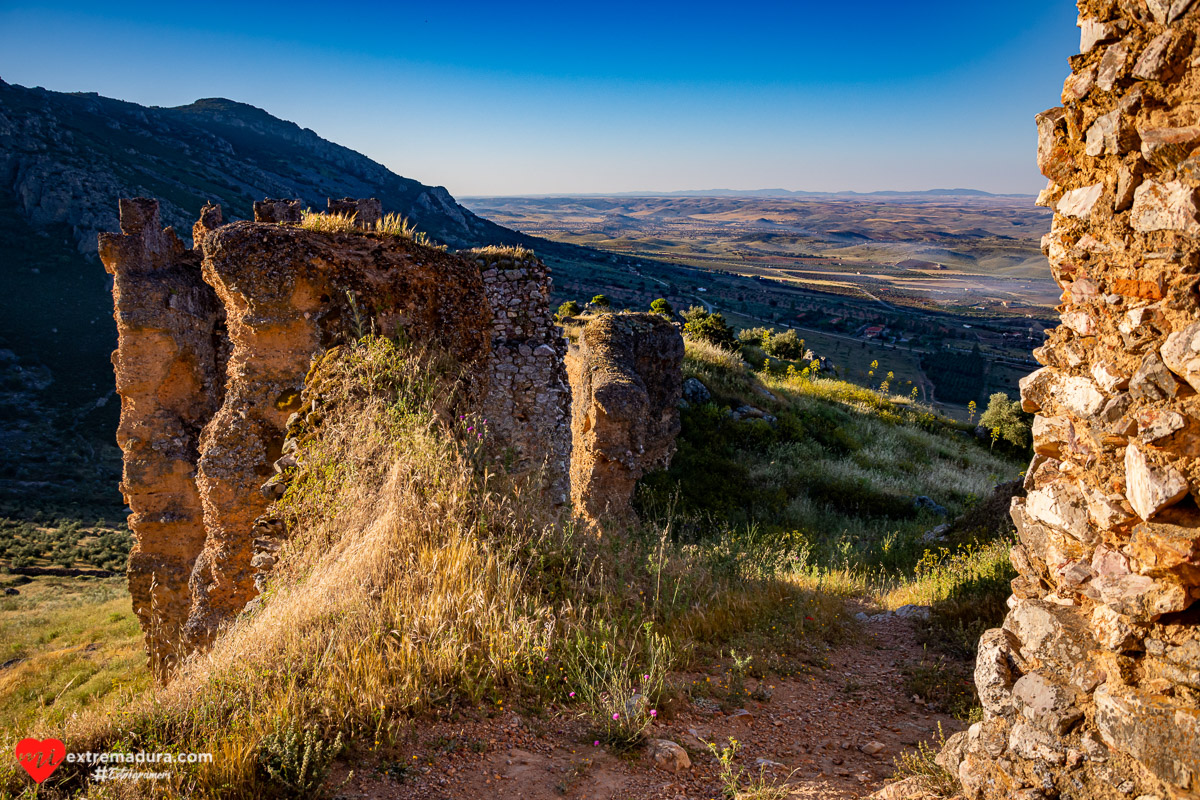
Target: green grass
<point>67,644</point>
<point>833,479</point>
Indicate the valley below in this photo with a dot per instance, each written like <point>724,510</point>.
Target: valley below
<point>938,289</point>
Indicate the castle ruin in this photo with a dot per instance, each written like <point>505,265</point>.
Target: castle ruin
<point>214,344</point>
<point>1091,689</point>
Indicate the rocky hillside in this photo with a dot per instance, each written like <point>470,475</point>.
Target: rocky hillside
<point>65,159</point>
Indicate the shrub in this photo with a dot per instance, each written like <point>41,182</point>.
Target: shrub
<point>295,764</point>
<point>601,300</point>
<point>712,328</point>
<point>568,309</point>
<point>662,308</point>
<point>785,345</point>
<point>754,336</point>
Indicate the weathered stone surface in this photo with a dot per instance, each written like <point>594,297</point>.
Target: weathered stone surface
<point>1052,637</point>
<point>626,383</point>
<point>1153,381</point>
<point>1161,733</point>
<point>1169,206</point>
<point>278,211</point>
<point>1151,488</point>
<point>1035,744</point>
<point>1054,159</point>
<point>1112,66</point>
<point>169,376</point>
<point>1158,423</point>
<point>1080,396</point>
<point>1036,389</point>
<point>1113,631</point>
<point>367,212</point>
<point>1166,11</point>
<point>996,670</point>
<point>1166,147</point>
<point>1061,505</point>
<point>1166,550</point>
<point>669,756</point>
<point>1092,32</point>
<point>1181,354</point>
<point>1046,703</point>
<point>1080,202</point>
<point>1150,63</point>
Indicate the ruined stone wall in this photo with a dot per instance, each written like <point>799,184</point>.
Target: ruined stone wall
<point>1091,689</point>
<point>626,380</point>
<point>214,347</point>
<point>169,373</point>
<point>289,293</point>
<point>528,405</point>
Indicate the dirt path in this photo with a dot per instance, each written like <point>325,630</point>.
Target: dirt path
<point>819,729</point>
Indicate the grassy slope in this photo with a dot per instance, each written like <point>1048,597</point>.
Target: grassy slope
<point>414,582</point>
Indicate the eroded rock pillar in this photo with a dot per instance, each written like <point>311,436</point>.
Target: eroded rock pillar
<point>626,382</point>
<point>170,383</point>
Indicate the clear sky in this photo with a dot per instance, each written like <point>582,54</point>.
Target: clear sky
<point>581,96</point>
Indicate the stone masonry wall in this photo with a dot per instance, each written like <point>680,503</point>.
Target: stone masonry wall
<point>169,374</point>
<point>528,405</point>
<point>626,382</point>
<point>213,351</point>
<point>1091,689</point>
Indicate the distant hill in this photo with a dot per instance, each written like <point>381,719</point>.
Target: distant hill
<point>65,159</point>
<point>927,193</point>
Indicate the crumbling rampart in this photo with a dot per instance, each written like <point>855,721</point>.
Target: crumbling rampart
<point>1091,689</point>
<point>214,347</point>
<point>626,382</point>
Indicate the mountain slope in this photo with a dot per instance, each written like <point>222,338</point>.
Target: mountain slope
<point>65,159</point>
<point>68,157</point>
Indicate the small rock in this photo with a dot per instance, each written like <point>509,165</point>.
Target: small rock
<point>1167,206</point>
<point>1150,488</point>
<point>669,756</point>
<point>873,748</point>
<point>696,392</point>
<point>1080,203</point>
<point>1181,354</point>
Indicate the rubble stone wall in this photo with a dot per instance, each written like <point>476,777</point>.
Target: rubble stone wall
<point>1091,689</point>
<point>626,379</point>
<point>528,405</point>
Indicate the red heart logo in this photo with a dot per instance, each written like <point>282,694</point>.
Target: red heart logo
<point>40,757</point>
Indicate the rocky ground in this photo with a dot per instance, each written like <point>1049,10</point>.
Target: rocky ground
<point>832,734</point>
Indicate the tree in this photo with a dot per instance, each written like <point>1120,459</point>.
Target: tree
<point>1005,420</point>
<point>601,300</point>
<point>694,313</point>
<point>568,309</point>
<point>711,328</point>
<point>662,308</point>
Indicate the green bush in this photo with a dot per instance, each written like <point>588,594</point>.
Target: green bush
<point>569,309</point>
<point>711,328</point>
<point>754,336</point>
<point>601,300</point>
<point>1006,422</point>
<point>785,345</point>
<point>662,308</point>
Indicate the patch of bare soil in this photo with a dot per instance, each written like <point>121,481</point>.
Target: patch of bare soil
<point>831,735</point>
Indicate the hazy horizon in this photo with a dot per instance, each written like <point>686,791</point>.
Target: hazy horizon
<point>540,100</point>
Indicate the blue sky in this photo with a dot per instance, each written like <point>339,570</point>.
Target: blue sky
<point>512,98</point>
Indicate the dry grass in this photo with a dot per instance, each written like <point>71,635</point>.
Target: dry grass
<point>499,252</point>
<point>415,579</point>
<point>390,225</point>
